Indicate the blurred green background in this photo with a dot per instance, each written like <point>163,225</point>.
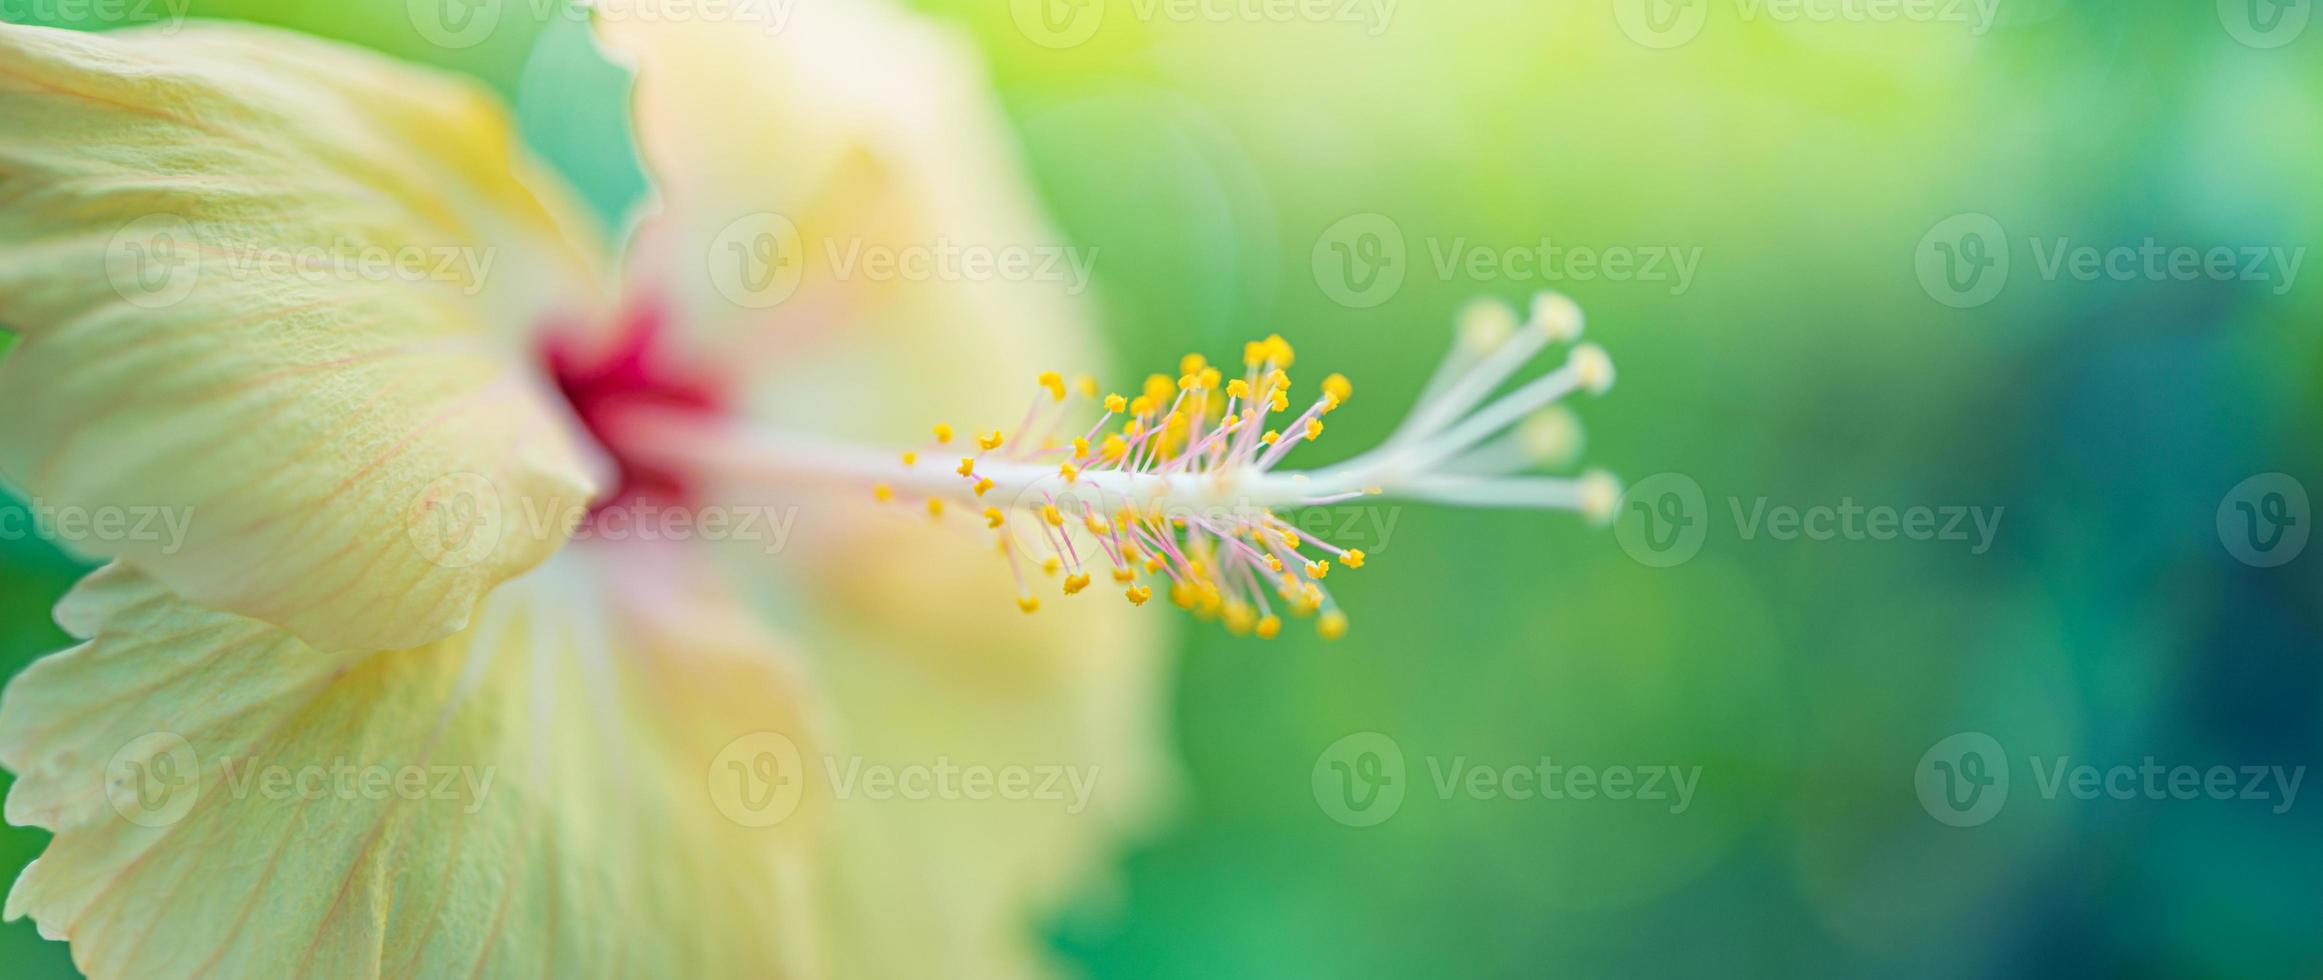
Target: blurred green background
<point>1812,169</point>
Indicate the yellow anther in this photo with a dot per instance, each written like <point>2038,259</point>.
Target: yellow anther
<point>1069,472</point>
<point>1116,404</point>
<point>1278,380</point>
<point>1254,353</point>
<point>1289,537</point>
<point>1125,575</point>
<point>993,517</point>
<point>1319,568</point>
<point>1209,377</point>
<point>1134,428</point>
<point>1353,558</point>
<point>910,458</point>
<point>1332,626</point>
<point>1075,583</point>
<point>1279,350</point>
<point>1190,381</point>
<point>1051,514</point>
<point>1270,436</point>
<point>1114,447</point>
<point>1192,364</point>
<point>1097,525</point>
<point>1051,565</point>
<point>1126,516</point>
<point>1269,627</point>
<point>1030,604</point>
<point>1080,447</point>
<point>1305,603</point>
<point>1129,552</point>
<point>1279,403</point>
<point>1153,564</point>
<point>1140,405</point>
<point>943,433</point>
<point>989,441</point>
<point>967,466</point>
<point>1159,388</point>
<point>983,483</point>
<point>1314,429</point>
<point>935,506</point>
<point>1338,387</point>
<point>1055,383</point>
<point>1228,422</point>
<point>1273,564</point>
<point>1138,594</point>
<point>1085,385</point>
<point>882,492</point>
<point>1182,595</point>
<point>1239,618</point>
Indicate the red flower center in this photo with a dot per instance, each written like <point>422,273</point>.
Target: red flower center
<point>637,369</point>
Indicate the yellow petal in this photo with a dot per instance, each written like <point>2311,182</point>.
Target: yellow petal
<point>928,658</point>
<point>855,146</point>
<point>211,783</point>
<point>874,131</point>
<point>279,292</point>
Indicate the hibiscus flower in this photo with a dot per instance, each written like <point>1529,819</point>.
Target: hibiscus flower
<point>467,661</point>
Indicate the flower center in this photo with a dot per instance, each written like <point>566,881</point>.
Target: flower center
<point>633,369</point>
